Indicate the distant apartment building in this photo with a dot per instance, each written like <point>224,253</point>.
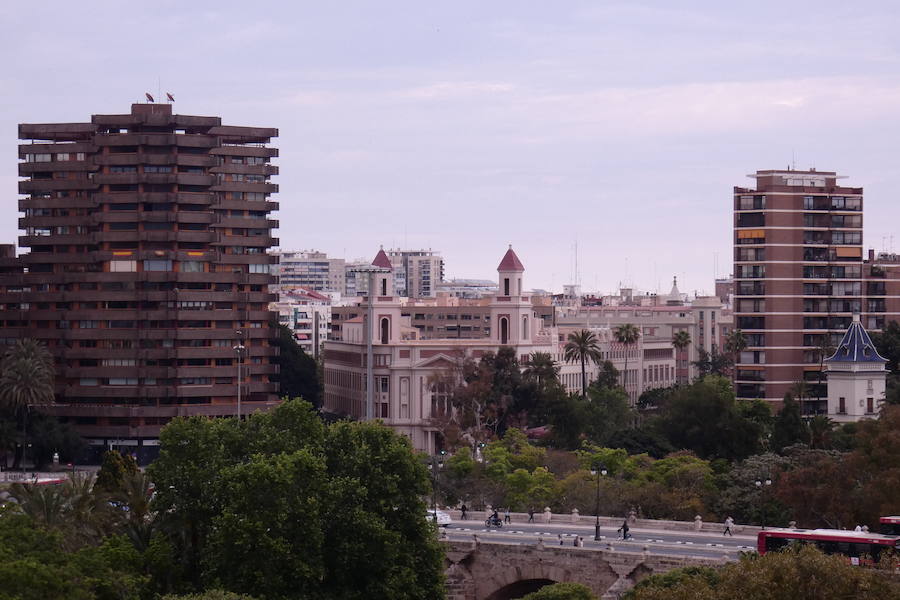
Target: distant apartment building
<point>706,321</point>
<point>307,314</point>
<point>147,266</point>
<point>725,290</point>
<point>416,272</point>
<point>800,276</point>
<point>311,270</point>
<point>466,288</point>
<point>356,282</point>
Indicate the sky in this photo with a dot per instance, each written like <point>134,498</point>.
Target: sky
<point>466,126</point>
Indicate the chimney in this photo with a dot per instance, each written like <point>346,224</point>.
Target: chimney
<point>871,254</point>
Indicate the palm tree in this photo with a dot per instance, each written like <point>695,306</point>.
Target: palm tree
<point>627,335</point>
<point>800,390</point>
<point>820,428</point>
<point>541,369</point>
<point>582,346</point>
<point>680,341</point>
<point>735,343</point>
<point>135,493</point>
<point>26,381</point>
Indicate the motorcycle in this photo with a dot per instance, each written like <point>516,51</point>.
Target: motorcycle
<point>493,522</point>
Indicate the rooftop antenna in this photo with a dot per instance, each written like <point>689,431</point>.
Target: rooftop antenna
<point>793,161</point>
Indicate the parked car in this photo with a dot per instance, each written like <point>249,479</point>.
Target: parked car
<point>443,519</point>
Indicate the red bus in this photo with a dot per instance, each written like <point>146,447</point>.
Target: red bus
<point>857,545</point>
<point>890,525</point>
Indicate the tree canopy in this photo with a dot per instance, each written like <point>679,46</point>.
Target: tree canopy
<point>803,573</point>
<point>298,374</point>
<point>279,505</point>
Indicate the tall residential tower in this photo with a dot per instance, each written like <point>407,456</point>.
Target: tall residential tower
<point>147,272</point>
<point>799,277</point>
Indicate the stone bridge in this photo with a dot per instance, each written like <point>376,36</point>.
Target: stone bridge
<point>490,571</point>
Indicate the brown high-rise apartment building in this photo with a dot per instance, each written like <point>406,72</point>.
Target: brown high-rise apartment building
<point>147,272</point>
<point>799,276</point>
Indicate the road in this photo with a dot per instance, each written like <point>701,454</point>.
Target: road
<point>679,543</point>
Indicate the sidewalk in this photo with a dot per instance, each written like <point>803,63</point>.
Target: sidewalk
<point>588,522</point>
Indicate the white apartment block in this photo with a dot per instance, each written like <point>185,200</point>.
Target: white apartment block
<point>307,313</point>
<point>311,270</point>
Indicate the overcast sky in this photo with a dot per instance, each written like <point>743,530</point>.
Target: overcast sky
<point>467,126</point>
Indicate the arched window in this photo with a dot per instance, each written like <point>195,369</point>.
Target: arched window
<point>385,331</point>
<point>524,327</point>
<point>504,330</point>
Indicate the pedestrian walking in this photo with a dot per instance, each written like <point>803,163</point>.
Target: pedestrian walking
<point>858,528</point>
<point>575,541</point>
<point>506,518</point>
<point>624,530</point>
<point>531,515</point>
<point>559,535</point>
<point>463,510</point>
<point>729,523</point>
<point>580,542</point>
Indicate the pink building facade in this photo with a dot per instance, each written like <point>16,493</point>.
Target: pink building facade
<point>405,367</point>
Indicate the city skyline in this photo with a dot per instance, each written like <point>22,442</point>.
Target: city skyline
<point>464,129</point>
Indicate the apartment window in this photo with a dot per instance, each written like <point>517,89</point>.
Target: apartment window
<point>157,265</point>
<point>122,266</point>
<point>118,362</point>
<point>259,268</point>
<point>123,227</point>
<point>842,406</point>
<point>191,266</point>
<point>870,405</point>
<point>158,226</point>
<point>123,381</point>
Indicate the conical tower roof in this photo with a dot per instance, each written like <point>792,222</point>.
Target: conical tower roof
<point>511,262</point>
<point>856,346</point>
<point>675,294</point>
<point>382,260</point>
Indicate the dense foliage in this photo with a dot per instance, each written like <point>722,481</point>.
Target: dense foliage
<point>276,506</point>
<point>298,373</point>
<point>562,591</point>
<point>805,573</point>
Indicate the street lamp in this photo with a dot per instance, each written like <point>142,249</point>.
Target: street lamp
<point>598,472</point>
<point>239,351</point>
<point>762,486</point>
<point>435,465</point>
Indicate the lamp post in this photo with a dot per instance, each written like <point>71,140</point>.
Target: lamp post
<point>239,352</point>
<point>762,485</point>
<point>436,463</point>
<point>598,472</point>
